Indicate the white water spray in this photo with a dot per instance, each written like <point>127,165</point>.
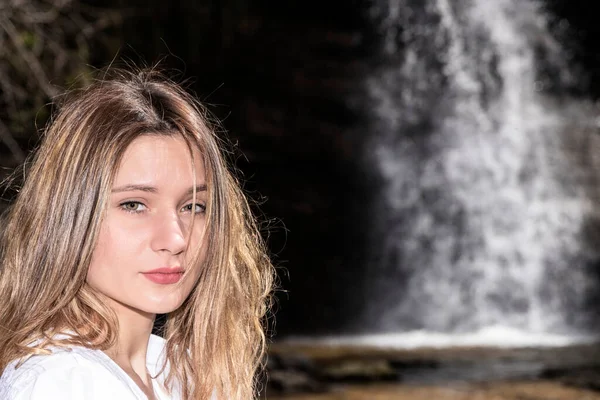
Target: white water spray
<point>484,199</point>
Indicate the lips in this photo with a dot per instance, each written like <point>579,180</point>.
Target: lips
<point>164,276</point>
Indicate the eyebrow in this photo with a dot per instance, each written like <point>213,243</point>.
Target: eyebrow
<point>151,189</point>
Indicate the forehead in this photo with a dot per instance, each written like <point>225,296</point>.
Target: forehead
<point>160,159</point>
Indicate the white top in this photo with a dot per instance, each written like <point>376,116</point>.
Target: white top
<point>80,373</point>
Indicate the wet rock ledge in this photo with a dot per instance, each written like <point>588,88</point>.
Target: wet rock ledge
<point>304,372</point>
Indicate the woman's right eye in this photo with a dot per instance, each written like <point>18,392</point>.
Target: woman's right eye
<point>133,206</point>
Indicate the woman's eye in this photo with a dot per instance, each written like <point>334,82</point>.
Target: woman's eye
<point>133,206</point>
<point>198,208</point>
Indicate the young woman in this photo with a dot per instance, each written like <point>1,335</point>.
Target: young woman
<point>128,210</point>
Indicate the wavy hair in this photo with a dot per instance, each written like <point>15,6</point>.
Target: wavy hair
<point>216,339</point>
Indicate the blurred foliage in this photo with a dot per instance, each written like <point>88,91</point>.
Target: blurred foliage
<point>45,47</point>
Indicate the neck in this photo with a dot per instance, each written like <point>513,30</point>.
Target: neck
<point>135,328</point>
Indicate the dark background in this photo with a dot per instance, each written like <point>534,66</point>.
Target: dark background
<point>282,76</point>
<point>576,23</point>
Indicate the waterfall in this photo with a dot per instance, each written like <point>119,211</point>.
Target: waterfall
<point>487,207</point>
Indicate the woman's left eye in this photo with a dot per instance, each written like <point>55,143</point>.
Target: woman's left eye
<point>198,208</point>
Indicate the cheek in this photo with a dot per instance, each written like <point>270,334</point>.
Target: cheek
<point>198,233</point>
<point>116,243</point>
<point>198,242</point>
<point>112,250</point>
<point>99,257</point>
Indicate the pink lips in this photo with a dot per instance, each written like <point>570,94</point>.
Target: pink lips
<point>164,276</point>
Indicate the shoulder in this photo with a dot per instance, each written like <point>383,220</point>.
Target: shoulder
<point>156,354</point>
<point>156,359</point>
<point>76,373</point>
<point>156,346</point>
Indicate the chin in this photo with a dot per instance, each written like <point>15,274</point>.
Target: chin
<point>164,306</point>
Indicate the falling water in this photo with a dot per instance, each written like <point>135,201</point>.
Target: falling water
<point>487,211</point>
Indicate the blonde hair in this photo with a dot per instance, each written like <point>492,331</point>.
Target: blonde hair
<point>215,340</point>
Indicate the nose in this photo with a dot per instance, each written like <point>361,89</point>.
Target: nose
<point>168,234</point>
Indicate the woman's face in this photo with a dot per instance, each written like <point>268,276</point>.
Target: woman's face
<point>143,247</point>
